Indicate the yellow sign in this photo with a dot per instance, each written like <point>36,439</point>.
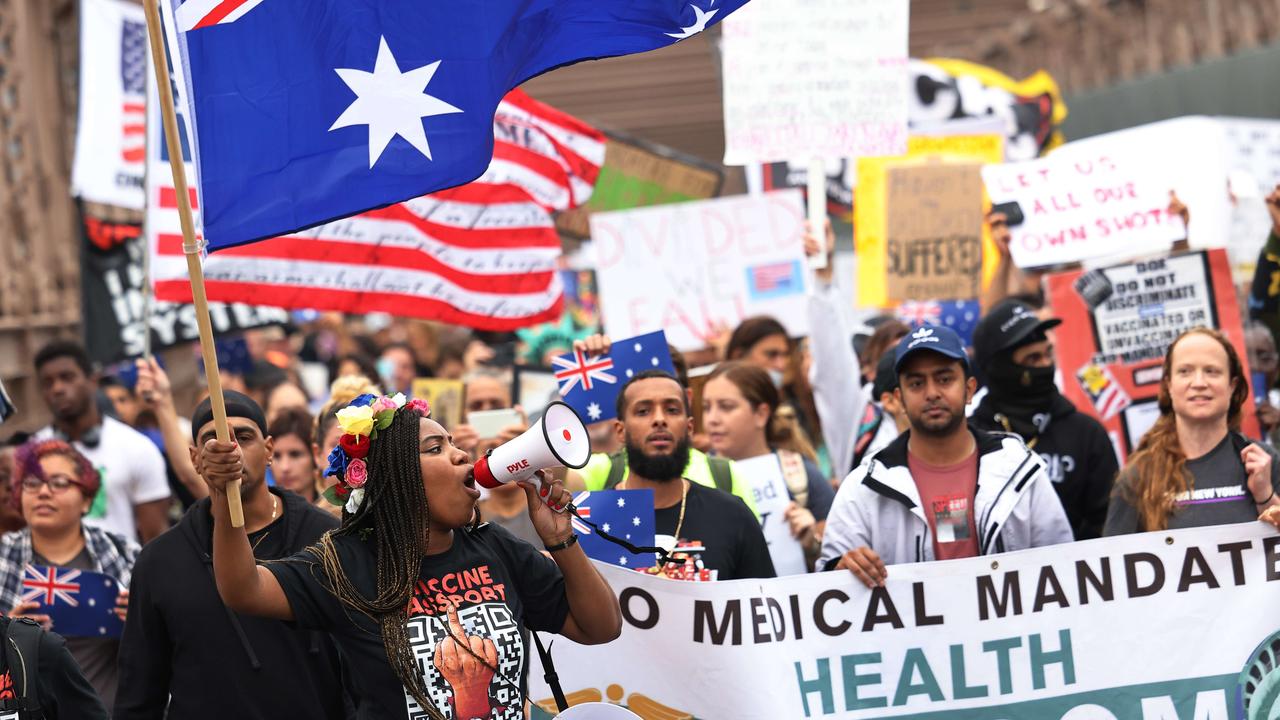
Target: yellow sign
<point>445,397</point>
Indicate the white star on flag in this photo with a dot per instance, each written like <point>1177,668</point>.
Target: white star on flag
<point>635,521</point>
<point>701,18</point>
<point>622,502</point>
<point>605,527</point>
<point>391,103</point>
<point>593,411</point>
<point>622,561</point>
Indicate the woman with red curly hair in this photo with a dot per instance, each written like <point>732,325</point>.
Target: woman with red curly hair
<point>54,486</point>
<point>1193,468</point>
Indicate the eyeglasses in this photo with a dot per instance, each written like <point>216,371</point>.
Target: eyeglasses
<point>56,483</point>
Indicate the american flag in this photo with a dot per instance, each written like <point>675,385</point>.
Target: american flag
<point>774,280</point>
<point>482,255</point>
<point>1104,392</point>
<point>196,14</point>
<point>133,83</point>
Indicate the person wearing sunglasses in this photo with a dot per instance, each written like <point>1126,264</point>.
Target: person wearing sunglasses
<point>54,486</point>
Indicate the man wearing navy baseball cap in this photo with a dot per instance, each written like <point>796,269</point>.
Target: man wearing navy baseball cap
<point>1013,350</point>
<point>943,489</point>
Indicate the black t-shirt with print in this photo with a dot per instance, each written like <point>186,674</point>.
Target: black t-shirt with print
<point>720,538</point>
<point>500,585</point>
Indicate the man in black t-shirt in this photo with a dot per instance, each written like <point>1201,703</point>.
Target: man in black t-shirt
<point>712,532</point>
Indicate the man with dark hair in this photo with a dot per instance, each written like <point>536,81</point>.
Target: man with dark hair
<point>1016,357</point>
<point>134,501</point>
<point>183,653</point>
<point>714,533</point>
<point>942,489</point>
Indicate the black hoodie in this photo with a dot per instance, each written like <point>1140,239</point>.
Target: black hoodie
<point>1078,455</point>
<point>183,651</point>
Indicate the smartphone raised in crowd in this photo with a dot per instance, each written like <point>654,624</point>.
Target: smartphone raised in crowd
<point>488,423</point>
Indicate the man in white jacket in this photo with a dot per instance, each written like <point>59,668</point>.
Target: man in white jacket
<point>942,490</point>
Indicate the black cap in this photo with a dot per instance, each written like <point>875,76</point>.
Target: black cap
<point>238,405</point>
<point>1008,326</point>
<point>886,377</point>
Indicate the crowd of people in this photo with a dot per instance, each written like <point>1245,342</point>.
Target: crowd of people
<point>372,577</point>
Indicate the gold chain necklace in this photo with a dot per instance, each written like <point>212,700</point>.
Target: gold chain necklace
<point>275,509</point>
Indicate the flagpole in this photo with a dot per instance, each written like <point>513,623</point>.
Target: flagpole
<point>190,247</point>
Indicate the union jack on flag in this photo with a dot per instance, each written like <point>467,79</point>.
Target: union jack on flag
<point>52,583</point>
<point>196,14</point>
<point>583,513</point>
<point>915,313</point>
<point>589,384</point>
<point>581,368</point>
<point>959,315</point>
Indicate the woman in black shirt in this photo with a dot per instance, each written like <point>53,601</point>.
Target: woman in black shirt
<point>426,604</point>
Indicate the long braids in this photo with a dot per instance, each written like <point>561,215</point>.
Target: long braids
<point>394,513</point>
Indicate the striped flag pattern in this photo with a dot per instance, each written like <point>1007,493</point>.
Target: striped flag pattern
<point>133,84</point>
<point>483,255</point>
<point>195,14</point>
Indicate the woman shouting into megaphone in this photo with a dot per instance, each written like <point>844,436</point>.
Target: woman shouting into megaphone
<point>426,603</point>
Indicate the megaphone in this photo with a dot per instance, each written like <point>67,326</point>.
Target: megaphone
<point>559,439</point>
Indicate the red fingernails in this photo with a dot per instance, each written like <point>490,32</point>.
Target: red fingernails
<point>542,491</point>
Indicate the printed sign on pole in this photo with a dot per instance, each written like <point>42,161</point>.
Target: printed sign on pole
<point>688,268</point>
<point>1121,321</point>
<point>815,78</point>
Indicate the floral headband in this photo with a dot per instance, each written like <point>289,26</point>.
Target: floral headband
<point>360,422</point>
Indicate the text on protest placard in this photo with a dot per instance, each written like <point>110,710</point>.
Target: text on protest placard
<point>1078,206</point>
<point>815,78</point>
<point>1126,628</point>
<point>688,268</point>
<point>934,234</point>
<point>769,490</point>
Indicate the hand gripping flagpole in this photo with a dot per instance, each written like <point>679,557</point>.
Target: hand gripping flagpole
<point>190,247</point>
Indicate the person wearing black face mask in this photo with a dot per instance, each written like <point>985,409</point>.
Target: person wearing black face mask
<point>1015,355</point>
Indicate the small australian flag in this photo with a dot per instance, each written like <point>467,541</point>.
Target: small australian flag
<point>959,315</point>
<point>80,603</point>
<point>590,383</point>
<point>624,514</point>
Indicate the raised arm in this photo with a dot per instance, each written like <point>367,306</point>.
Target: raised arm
<point>245,586</point>
<point>157,394</point>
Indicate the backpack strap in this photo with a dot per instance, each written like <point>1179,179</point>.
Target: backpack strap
<point>794,474</point>
<point>22,655</point>
<point>617,466</point>
<point>721,473</point>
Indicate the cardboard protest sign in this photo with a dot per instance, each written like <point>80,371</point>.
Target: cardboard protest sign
<point>690,267</point>
<point>1149,626</point>
<point>769,489</point>
<point>445,397</point>
<point>1079,206</point>
<point>871,209</point>
<point>636,174</point>
<point>1120,321</point>
<point>815,78</point>
<point>934,231</point>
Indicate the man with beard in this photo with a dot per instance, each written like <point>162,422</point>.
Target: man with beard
<point>1015,355</point>
<point>712,532</point>
<point>942,489</point>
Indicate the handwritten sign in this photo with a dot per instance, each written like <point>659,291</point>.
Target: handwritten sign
<point>445,397</point>
<point>1079,206</point>
<point>815,78</point>
<point>934,240</point>
<point>772,499</point>
<point>689,267</point>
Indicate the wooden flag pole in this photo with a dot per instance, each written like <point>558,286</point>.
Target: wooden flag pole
<point>190,247</point>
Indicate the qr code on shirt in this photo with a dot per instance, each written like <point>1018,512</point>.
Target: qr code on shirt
<point>488,620</point>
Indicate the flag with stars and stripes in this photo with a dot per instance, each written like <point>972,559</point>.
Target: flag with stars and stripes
<point>960,315</point>
<point>80,603</point>
<point>625,514</point>
<point>590,383</point>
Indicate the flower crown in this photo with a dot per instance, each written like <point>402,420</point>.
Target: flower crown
<point>360,421</point>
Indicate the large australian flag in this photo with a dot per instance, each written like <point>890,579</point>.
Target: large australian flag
<point>305,111</point>
<point>590,383</point>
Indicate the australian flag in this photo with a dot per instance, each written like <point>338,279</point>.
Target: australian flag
<point>81,603</point>
<point>590,383</point>
<point>625,514</point>
<point>960,315</point>
<point>307,111</point>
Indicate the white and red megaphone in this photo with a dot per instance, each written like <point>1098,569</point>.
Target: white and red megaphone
<point>559,439</point>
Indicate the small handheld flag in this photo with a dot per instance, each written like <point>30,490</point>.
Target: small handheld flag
<point>590,383</point>
<point>80,603</point>
<point>626,514</point>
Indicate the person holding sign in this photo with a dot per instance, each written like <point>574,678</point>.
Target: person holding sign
<point>739,412</point>
<point>56,486</point>
<point>1015,354</point>
<point>943,489</point>
<point>1193,468</point>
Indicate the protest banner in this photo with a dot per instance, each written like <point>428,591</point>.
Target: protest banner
<point>113,298</point>
<point>690,267</point>
<point>445,396</point>
<point>1079,205</point>
<point>1121,320</point>
<point>769,489</point>
<point>947,92</point>
<point>112,104</point>
<point>1153,626</point>
<point>636,174</point>
<point>815,78</point>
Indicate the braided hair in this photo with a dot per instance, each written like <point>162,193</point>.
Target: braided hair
<point>394,516</point>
